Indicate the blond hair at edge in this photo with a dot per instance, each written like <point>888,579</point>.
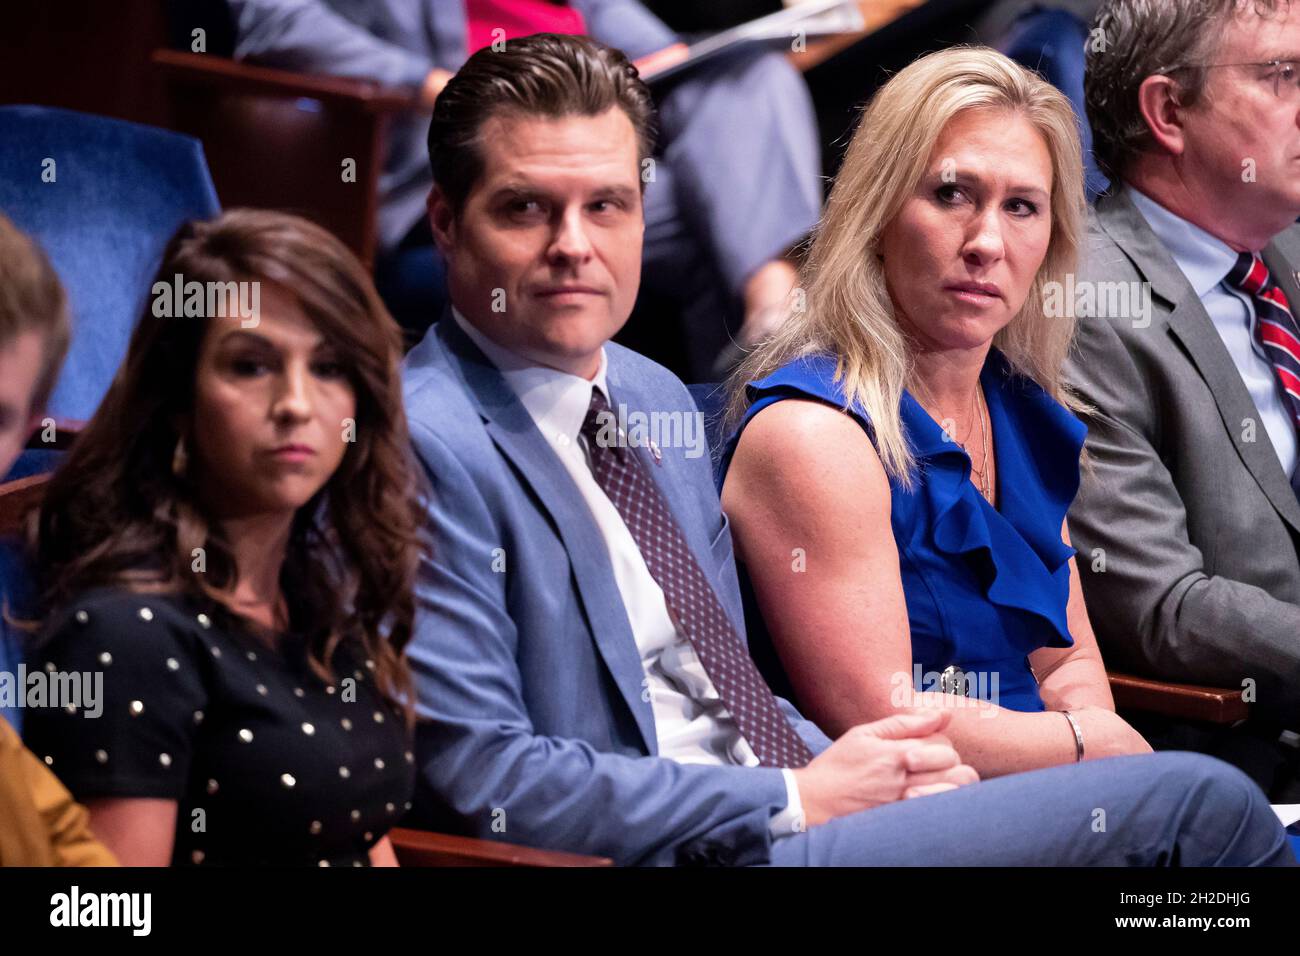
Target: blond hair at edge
<point>841,305</point>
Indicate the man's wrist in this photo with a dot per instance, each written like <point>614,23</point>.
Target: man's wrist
<point>790,819</point>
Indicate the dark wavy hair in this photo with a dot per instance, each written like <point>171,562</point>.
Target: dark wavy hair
<point>116,515</point>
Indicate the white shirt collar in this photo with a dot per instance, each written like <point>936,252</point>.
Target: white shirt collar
<point>1205,259</point>
<point>556,401</point>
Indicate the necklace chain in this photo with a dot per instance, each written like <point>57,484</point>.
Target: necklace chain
<point>981,473</point>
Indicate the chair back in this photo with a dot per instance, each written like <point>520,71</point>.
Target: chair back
<point>102,197</point>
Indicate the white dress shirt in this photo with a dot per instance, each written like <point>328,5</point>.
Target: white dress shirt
<point>691,723</point>
<point>1206,261</point>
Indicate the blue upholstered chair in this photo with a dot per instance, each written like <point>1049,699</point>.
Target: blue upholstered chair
<point>102,197</point>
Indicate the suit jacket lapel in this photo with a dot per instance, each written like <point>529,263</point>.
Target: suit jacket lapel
<point>1191,325</point>
<point>512,429</point>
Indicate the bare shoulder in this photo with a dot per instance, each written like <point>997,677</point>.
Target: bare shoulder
<point>809,449</point>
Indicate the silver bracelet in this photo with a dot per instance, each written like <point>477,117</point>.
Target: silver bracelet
<point>1078,735</point>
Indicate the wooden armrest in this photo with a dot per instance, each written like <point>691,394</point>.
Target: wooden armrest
<point>65,432</point>
<point>17,497</point>
<point>1215,705</point>
<point>235,77</point>
<point>422,848</point>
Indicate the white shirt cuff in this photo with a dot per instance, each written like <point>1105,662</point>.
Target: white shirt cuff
<point>789,821</point>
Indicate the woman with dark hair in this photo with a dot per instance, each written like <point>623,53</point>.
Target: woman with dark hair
<point>230,548</point>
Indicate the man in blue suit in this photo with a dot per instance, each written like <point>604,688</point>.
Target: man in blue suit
<point>579,652</point>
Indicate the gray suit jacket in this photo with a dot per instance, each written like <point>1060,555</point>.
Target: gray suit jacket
<point>1188,529</point>
<point>538,727</point>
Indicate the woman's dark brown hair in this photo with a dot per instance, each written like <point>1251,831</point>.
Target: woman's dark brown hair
<point>116,515</point>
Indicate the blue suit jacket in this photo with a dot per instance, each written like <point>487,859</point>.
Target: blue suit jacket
<point>539,727</point>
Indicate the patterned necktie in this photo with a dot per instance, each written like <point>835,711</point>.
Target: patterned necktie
<point>1277,330</point>
<point>692,602</point>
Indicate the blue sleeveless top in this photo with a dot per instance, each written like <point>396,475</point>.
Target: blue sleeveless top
<point>984,586</point>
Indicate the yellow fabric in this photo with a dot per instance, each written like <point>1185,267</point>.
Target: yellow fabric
<point>40,823</point>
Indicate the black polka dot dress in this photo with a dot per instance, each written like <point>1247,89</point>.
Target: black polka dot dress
<point>268,764</point>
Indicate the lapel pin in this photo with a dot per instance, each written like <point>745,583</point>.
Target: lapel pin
<point>654,450</point>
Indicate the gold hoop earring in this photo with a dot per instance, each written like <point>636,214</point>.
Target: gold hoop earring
<point>180,458</point>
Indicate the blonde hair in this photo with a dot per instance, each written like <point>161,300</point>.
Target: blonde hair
<point>846,310</point>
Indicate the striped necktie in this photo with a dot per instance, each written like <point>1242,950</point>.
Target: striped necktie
<point>692,602</point>
<point>1276,328</point>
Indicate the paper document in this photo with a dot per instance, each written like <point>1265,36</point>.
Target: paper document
<point>806,20</point>
<point>1288,813</point>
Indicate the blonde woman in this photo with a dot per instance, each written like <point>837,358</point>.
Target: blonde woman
<point>905,451</point>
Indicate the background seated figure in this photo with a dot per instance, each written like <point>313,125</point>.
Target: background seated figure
<point>1188,353</point>
<point>40,823</point>
<point>735,185</point>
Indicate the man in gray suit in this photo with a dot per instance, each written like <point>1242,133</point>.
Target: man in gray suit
<point>579,651</point>
<point>1189,527</point>
<point>737,183</point>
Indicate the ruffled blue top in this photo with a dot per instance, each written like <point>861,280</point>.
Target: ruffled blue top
<point>984,586</point>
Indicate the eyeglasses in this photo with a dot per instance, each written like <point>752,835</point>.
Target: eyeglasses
<point>1285,74</point>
